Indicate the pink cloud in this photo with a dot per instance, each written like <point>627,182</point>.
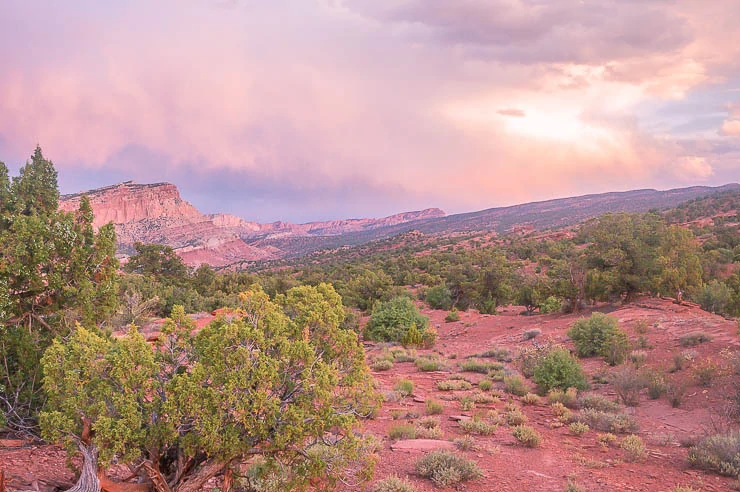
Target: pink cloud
<point>404,95</point>
<point>730,128</point>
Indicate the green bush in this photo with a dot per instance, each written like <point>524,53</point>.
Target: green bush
<point>392,320</point>
<point>719,453</point>
<point>433,407</point>
<point>515,385</point>
<point>427,364</point>
<point>485,384</point>
<point>452,316</point>
<point>447,469</point>
<point>600,335</point>
<point>472,365</point>
<point>404,386</point>
<point>559,369</point>
<point>550,305</point>
<point>402,431</point>
<point>439,297</point>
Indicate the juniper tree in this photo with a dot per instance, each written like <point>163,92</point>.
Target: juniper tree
<point>277,385</point>
<point>54,271</point>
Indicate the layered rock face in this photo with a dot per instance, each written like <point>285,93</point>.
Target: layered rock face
<point>156,213</point>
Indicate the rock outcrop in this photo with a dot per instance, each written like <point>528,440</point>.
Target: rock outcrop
<point>156,213</point>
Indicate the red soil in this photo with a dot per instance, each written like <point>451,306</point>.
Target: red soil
<point>562,456</point>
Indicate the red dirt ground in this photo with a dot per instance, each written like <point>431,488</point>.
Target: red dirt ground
<point>562,456</point>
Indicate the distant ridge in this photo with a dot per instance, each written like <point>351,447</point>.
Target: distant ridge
<point>156,213</point>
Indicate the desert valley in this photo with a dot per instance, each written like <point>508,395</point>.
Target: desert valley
<point>369,246</point>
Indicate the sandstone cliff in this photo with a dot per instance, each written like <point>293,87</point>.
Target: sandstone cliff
<point>156,213</point>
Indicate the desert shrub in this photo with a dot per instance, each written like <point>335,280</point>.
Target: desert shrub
<point>483,398</point>
<point>560,411</point>
<point>392,320</point>
<point>452,316</point>
<point>402,431</point>
<point>719,453</point>
<point>447,469</point>
<point>527,436</point>
<point>674,390</point>
<point>682,488</point>
<point>705,372</point>
<point>530,399</point>
<point>515,385</point>
<point>404,386</point>
<point>394,483</point>
<point>499,353</point>
<point>530,334</point>
<point>496,374</point>
<point>482,367</point>
<point>485,384</point>
<point>550,305</point>
<point>559,369</point>
<point>568,398</point>
<point>466,403</point>
<point>578,428</point>
<point>641,326</point>
<point>465,443</point>
<point>598,402</point>
<point>428,422</point>
<point>607,439</point>
<point>618,423</point>
<point>515,417</point>
<point>428,428</point>
<point>402,355</point>
<point>392,396</point>
<point>694,338</point>
<point>439,297</point>
<point>530,357</point>
<point>633,447</point>
<point>453,385</point>
<point>643,343</point>
<point>478,426</point>
<point>655,383</point>
<point>638,357</point>
<point>427,364</point>
<point>627,383</point>
<point>382,365</point>
<point>433,407</point>
<point>573,487</point>
<point>599,335</point>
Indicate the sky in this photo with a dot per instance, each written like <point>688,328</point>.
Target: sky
<point>305,110</point>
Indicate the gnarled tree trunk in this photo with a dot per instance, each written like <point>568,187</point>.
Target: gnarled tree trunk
<point>195,481</point>
<point>88,481</point>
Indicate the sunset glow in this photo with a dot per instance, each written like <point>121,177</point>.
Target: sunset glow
<point>307,110</point>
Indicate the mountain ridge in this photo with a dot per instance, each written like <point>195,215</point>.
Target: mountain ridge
<point>156,213</point>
